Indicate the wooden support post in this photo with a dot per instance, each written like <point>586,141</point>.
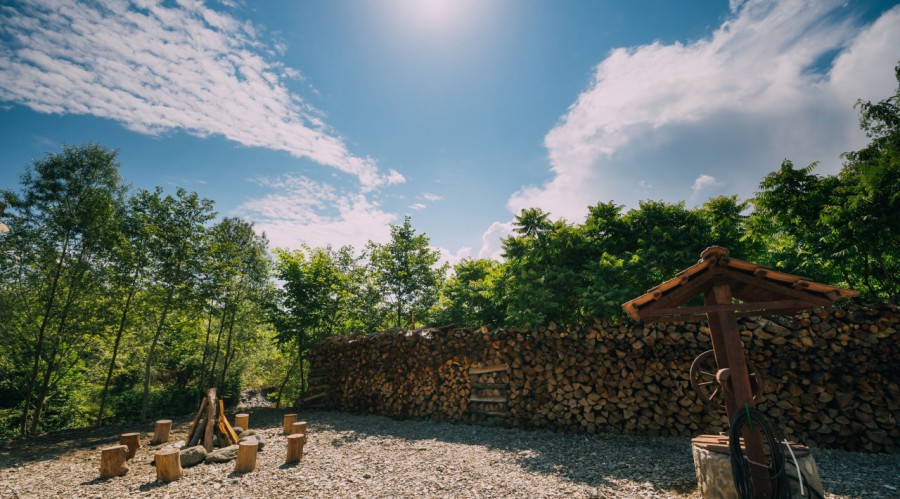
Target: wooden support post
<point>298,427</point>
<point>161,433</point>
<point>723,326</point>
<point>242,421</point>
<point>295,448</point>
<point>289,420</point>
<point>132,441</point>
<point>246,458</point>
<point>112,461</point>
<point>168,464</point>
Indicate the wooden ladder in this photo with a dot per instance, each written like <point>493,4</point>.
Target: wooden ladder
<point>489,409</point>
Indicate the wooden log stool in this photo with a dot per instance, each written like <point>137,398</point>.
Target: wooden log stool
<point>112,461</point>
<point>289,420</point>
<point>242,421</point>
<point>132,441</point>
<point>298,427</point>
<point>161,433</point>
<point>168,464</point>
<point>246,458</point>
<point>295,445</point>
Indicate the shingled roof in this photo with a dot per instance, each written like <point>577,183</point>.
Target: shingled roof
<point>755,288</point>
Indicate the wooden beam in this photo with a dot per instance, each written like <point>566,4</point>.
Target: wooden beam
<point>781,291</point>
<point>732,349</point>
<point>487,400</point>
<point>498,414</point>
<point>210,420</point>
<point>225,427</point>
<point>735,307</point>
<point>488,369</point>
<point>486,386</point>
<point>679,295</point>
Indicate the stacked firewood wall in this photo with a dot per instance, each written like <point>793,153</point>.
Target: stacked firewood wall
<point>831,376</point>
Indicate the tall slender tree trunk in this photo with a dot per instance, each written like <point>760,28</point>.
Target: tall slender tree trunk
<point>41,395</point>
<point>209,319</point>
<point>162,320</point>
<point>285,380</point>
<point>52,364</point>
<point>54,283</point>
<point>212,370</point>
<point>115,352</point>
<point>226,359</point>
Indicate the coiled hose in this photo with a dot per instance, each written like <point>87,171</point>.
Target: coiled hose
<point>740,465</point>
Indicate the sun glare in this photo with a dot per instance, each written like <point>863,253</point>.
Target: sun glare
<point>435,19</point>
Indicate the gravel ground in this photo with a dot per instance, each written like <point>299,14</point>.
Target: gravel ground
<point>370,456</point>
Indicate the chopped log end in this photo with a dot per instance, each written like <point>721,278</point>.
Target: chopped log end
<point>295,445</point>
<point>168,464</point>
<point>298,427</point>
<point>132,441</point>
<point>161,432</point>
<point>242,421</point>
<point>289,420</point>
<point>113,461</point>
<point>246,458</point>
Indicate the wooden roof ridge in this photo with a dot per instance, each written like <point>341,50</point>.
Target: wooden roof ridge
<point>757,283</point>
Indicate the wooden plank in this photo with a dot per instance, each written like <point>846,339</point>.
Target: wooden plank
<point>487,400</point>
<point>498,414</point>
<point>734,307</point>
<point>489,369</point>
<point>312,397</point>
<point>679,295</point>
<point>210,420</point>
<point>488,386</point>
<point>196,419</point>
<point>225,427</point>
<point>779,290</point>
<point>703,317</point>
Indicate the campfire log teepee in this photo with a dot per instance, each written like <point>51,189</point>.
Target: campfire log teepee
<point>209,421</point>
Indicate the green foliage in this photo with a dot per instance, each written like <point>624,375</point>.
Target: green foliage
<point>472,296</point>
<point>102,294</point>
<point>404,271</point>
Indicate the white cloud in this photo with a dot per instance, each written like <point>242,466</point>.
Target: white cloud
<point>735,104</point>
<point>702,182</point>
<point>157,68</point>
<point>491,246</point>
<point>449,257</point>
<point>417,206</point>
<point>301,210</point>
<point>427,196</point>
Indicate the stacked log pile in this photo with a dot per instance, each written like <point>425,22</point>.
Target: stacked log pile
<point>831,376</point>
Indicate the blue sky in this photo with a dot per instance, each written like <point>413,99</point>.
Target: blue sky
<point>326,121</point>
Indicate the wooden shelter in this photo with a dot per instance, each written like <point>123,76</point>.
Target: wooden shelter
<point>731,288</point>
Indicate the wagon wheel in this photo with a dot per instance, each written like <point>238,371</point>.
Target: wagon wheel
<point>703,379</point>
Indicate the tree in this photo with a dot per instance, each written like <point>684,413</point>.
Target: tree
<point>862,221</point>
<point>405,270</point>
<point>172,229</point>
<point>61,220</point>
<point>472,296</point>
<point>126,268</point>
<point>316,299</point>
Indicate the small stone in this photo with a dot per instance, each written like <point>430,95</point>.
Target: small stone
<point>259,439</point>
<point>223,455</point>
<point>192,456</point>
<point>238,430</point>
